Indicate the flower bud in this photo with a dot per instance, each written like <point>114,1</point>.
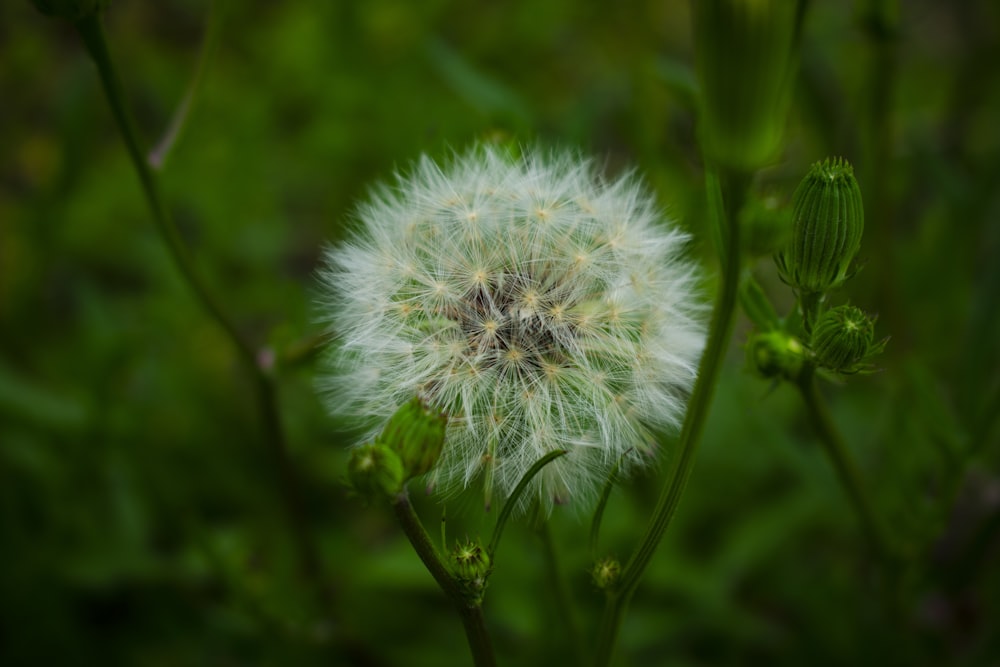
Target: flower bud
<point>471,565</point>
<point>374,471</point>
<point>743,51</point>
<point>606,572</point>
<point>416,433</point>
<point>73,10</point>
<point>827,221</point>
<point>842,338</point>
<point>775,354</point>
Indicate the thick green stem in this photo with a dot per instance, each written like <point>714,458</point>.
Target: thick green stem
<point>470,612</point>
<point>92,33</point>
<point>847,470</point>
<point>694,420</point>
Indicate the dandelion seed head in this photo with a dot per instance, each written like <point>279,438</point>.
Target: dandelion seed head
<point>536,303</point>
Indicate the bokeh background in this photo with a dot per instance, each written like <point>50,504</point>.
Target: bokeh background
<point>142,519</point>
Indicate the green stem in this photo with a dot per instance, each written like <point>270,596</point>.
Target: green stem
<point>809,304</point>
<point>92,33</point>
<point>719,334</point>
<point>847,470</point>
<point>210,42</point>
<point>470,612</point>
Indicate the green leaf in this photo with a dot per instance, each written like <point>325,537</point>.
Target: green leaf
<point>516,494</point>
<point>757,306</point>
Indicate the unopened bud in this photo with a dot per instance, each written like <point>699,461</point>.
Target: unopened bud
<point>774,354</point>
<point>471,565</point>
<point>843,338</point>
<point>606,572</point>
<point>375,471</point>
<point>828,219</point>
<point>416,433</point>
<point>744,57</point>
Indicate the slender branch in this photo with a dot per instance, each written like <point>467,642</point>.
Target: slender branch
<point>470,612</point>
<point>158,155</point>
<point>92,33</point>
<point>844,464</point>
<point>694,420</point>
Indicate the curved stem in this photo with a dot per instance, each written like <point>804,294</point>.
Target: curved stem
<point>158,155</point>
<point>694,420</point>
<point>92,33</point>
<point>847,470</point>
<point>470,612</point>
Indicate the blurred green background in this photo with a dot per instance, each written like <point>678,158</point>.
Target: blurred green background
<point>141,516</point>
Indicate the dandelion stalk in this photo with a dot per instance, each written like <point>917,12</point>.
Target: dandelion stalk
<point>92,33</point>
<point>470,612</point>
<point>843,463</point>
<point>618,597</point>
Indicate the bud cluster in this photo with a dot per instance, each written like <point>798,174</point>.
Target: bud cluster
<point>408,447</point>
<point>827,223</point>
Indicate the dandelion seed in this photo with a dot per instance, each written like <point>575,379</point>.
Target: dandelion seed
<point>536,304</point>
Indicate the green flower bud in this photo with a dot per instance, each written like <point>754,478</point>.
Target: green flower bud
<point>471,565</point>
<point>73,10</point>
<point>775,354</point>
<point>606,572</point>
<point>416,432</point>
<point>375,471</point>
<point>743,51</point>
<point>827,221</point>
<point>843,338</point>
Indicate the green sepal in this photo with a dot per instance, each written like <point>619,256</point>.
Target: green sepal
<point>375,471</point>
<point>595,524</point>
<point>515,495</point>
<point>757,306</point>
<point>416,432</point>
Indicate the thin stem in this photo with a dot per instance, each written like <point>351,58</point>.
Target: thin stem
<point>694,420</point>
<point>210,41</point>
<point>470,612</point>
<point>92,33</point>
<point>847,470</point>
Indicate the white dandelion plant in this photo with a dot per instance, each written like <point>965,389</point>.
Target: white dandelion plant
<point>538,305</point>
